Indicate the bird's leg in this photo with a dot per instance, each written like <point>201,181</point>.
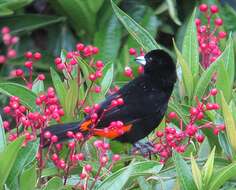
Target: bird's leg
<point>146,149</point>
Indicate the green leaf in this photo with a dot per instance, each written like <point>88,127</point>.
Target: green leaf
<point>206,76</point>
<point>25,156</point>
<point>225,145</point>
<point>15,4</point>
<point>205,79</point>
<point>229,60</point>
<point>118,179</point>
<point>7,159</point>
<point>139,34</point>
<point>59,86</point>
<point>5,11</point>
<point>28,178</point>
<point>208,168</point>
<point>221,176</point>
<point>143,184</point>
<point>72,98</point>
<point>229,122</point>
<point>186,73</point>
<point>26,96</point>
<point>108,39</point>
<point>3,141</point>
<point>190,45</point>
<point>174,106</point>
<point>184,174</point>
<point>223,83</point>
<point>173,11</point>
<point>86,69</point>
<point>79,13</point>
<point>38,86</point>
<point>196,173</point>
<point>54,183</point>
<point>29,22</point>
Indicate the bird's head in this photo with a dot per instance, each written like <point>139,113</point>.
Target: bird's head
<point>157,62</point>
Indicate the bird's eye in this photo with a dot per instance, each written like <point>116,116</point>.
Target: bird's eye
<point>150,58</point>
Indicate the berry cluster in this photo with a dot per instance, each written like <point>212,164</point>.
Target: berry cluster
<point>128,72</point>
<point>31,59</point>
<point>27,122</point>
<point>9,41</point>
<point>179,139</point>
<point>75,157</point>
<point>208,38</point>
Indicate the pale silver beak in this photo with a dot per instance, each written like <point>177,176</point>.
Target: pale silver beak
<point>140,60</point>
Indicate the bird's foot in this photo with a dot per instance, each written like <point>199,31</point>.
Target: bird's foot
<point>145,149</point>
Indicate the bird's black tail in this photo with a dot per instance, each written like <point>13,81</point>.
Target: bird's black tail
<point>60,130</point>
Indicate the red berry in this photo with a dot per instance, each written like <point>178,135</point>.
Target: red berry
<point>203,7</point>
<point>115,157</point>
<point>120,101</point>
<point>41,77</point>
<point>6,125</point>
<point>82,176</point>
<point>88,168</point>
<point>28,55</point>
<point>128,72</point>
<point>37,56</point>
<point>215,106</point>
<point>114,103</point>
<point>218,21</point>
<point>95,50</point>
<point>57,60</point>
<point>19,72</point>
<point>214,91</point>
<point>87,109</point>
<point>73,61</point>
<point>92,77</point>
<point>200,116</point>
<point>71,145</point>
<point>200,138</point>
<point>54,139</point>
<point>222,34</point>
<point>193,111</point>
<point>104,160</point>
<point>54,157</point>
<point>197,22</point>
<point>140,69</point>
<point>98,74</point>
<point>132,51</point>
<point>70,134</point>
<point>216,131</point>
<point>209,106</point>
<point>11,53</point>
<point>69,55</point>
<point>3,59</point>
<point>28,64</point>
<point>47,135</point>
<point>191,130</point>
<point>7,109</point>
<point>172,115</point>
<point>80,156</point>
<point>5,30</point>
<point>80,46</point>
<point>214,9</point>
<point>99,64</point>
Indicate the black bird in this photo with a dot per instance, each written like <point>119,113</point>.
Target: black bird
<point>145,103</point>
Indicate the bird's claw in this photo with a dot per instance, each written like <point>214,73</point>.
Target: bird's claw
<point>145,149</point>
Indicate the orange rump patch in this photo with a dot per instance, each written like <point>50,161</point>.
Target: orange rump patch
<point>85,125</point>
<point>111,133</point>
